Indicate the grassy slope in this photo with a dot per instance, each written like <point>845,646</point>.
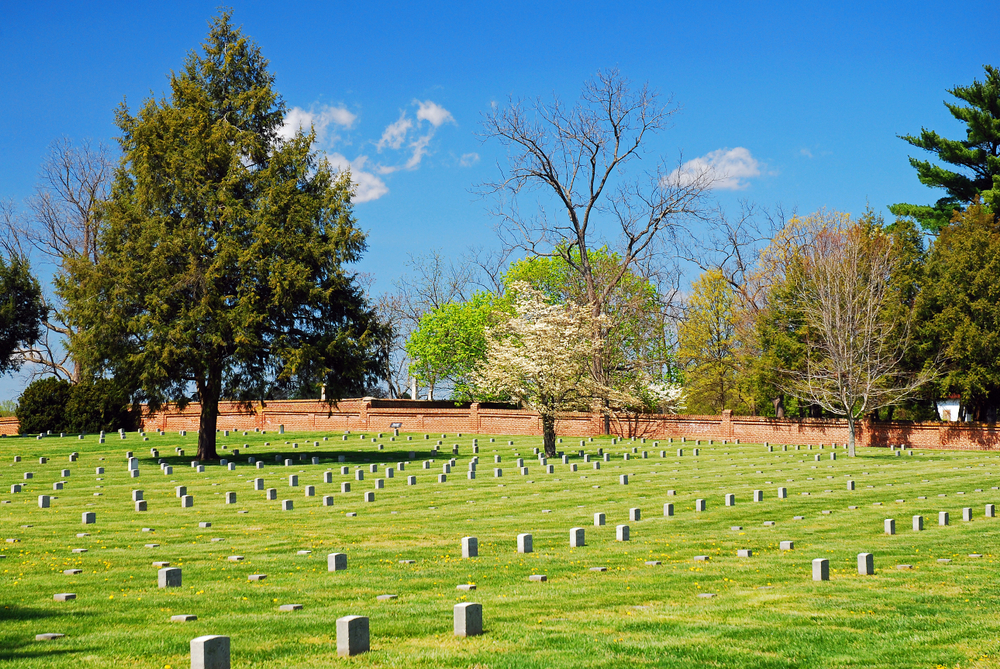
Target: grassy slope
<point>633,615</point>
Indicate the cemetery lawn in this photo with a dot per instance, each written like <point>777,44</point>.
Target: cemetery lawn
<point>766,610</point>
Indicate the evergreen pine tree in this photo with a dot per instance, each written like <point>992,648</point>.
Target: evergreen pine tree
<point>223,250</point>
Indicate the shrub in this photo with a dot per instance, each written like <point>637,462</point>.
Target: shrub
<point>100,405</point>
<point>59,406</point>
<point>42,406</point>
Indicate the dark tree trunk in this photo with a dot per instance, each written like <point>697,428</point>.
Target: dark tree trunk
<point>209,390</point>
<point>549,435</point>
<point>779,406</point>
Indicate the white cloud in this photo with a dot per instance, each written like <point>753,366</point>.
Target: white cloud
<point>401,135</point>
<point>433,112</point>
<point>419,147</point>
<point>419,150</point>
<point>468,159</point>
<point>728,169</point>
<point>806,152</point>
<point>395,133</point>
<point>295,119</point>
<point>321,119</point>
<point>367,186</point>
<point>341,116</point>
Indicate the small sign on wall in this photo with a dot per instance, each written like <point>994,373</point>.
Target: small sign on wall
<point>395,425</point>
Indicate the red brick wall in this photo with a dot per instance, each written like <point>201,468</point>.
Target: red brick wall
<point>8,425</point>
<point>358,415</point>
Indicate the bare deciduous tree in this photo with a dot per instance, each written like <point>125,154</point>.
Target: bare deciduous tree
<point>577,158</point>
<point>62,224</point>
<point>855,351</point>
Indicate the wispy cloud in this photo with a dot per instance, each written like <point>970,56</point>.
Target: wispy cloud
<point>468,159</point>
<point>409,134</point>
<point>728,169</point>
<point>367,186</point>
<point>401,132</point>
<point>323,119</point>
<point>433,113</point>
<point>419,147</point>
<point>395,133</point>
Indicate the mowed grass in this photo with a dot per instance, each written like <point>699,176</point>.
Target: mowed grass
<point>767,611</point>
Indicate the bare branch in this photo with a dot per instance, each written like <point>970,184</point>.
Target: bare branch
<point>62,225</point>
<point>72,184</point>
<point>489,266</point>
<point>573,156</point>
<point>568,167</point>
<point>434,282</point>
<point>735,246</point>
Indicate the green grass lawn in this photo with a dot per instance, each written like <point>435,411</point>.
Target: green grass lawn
<point>767,611</point>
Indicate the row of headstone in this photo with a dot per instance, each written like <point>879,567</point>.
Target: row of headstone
<point>889,525</point>
<point>821,567</point>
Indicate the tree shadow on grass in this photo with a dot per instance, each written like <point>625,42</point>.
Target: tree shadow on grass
<point>11,613</point>
<point>267,456</point>
<point>25,647</point>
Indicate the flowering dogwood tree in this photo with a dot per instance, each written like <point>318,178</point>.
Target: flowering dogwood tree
<point>668,397</point>
<point>541,357</point>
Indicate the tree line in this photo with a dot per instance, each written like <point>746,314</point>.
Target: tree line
<point>211,260</point>
<point>809,316</point>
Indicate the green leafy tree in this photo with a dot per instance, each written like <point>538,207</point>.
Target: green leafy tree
<point>958,311</point>
<point>450,340</point>
<point>57,405</point>
<point>777,337</point>
<point>709,348</point>
<point>905,285</point>
<point>100,404</point>
<point>977,157</point>
<point>450,343</point>
<point>22,311</point>
<point>223,250</point>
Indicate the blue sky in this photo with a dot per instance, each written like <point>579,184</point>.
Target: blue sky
<point>808,97</point>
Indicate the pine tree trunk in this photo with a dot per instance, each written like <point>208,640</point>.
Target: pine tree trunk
<point>549,435</point>
<point>209,390</point>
